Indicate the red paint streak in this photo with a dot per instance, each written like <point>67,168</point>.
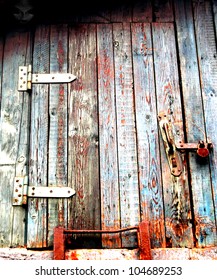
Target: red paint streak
<point>144,241</point>
<point>60,55</point>
<point>73,256</point>
<point>59,244</point>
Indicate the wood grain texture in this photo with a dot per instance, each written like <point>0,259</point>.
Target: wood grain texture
<point>193,109</point>
<point>206,46</point>
<point>214,9</point>
<point>110,204</point>
<point>150,181</point>
<point>7,174</point>
<point>126,133</point>
<point>83,163</point>
<point>37,207</point>
<point>1,65</point>
<point>13,134</point>
<point>57,150</point>
<point>176,189</point>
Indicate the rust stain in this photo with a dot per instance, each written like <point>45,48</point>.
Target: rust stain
<point>60,55</point>
<point>73,256</point>
<point>61,138</point>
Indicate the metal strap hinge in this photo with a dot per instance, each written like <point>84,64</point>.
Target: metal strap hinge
<point>22,191</point>
<point>27,78</point>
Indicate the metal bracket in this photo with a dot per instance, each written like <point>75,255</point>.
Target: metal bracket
<point>173,156</point>
<point>22,191</point>
<point>173,150</point>
<point>26,78</point>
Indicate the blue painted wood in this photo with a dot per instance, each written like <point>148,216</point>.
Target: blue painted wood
<point>13,125</point>
<point>109,180</point>
<point>83,134</point>
<point>58,149</point>
<point>38,156</point>
<point>126,133</point>
<point>175,189</point>
<point>150,181</point>
<point>206,47</point>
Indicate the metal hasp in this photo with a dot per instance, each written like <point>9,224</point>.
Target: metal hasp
<point>173,156</point>
<point>173,149</point>
<point>22,191</point>
<point>143,236</point>
<point>26,78</point>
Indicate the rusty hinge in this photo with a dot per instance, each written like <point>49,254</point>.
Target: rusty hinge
<point>173,149</point>
<point>22,191</point>
<point>27,78</point>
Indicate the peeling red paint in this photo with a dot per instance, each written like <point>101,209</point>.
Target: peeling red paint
<point>60,55</point>
<point>73,256</point>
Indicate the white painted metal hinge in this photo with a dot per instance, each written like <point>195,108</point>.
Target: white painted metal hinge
<point>22,191</point>
<point>27,78</point>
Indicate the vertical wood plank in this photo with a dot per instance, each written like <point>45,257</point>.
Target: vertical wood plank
<point>37,207</point>
<point>1,64</point>
<point>83,163</point>
<point>110,207</point>
<point>163,10</point>
<point>150,180</point>
<point>13,133</point>
<point>57,155</point>
<point>7,174</point>
<point>214,9</point>
<point>176,189</point>
<point>142,11</point>
<point>206,46</point>
<point>126,140</point>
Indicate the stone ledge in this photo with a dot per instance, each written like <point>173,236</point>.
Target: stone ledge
<point>111,254</point>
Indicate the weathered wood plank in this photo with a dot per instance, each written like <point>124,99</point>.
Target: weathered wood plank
<point>142,11</point>
<point>57,155</point>
<point>214,8</point>
<point>175,189</point>
<point>163,10</point>
<point>21,166</point>
<point>12,100</point>
<point>1,65</point>
<point>206,46</point>
<point>13,131</point>
<point>7,174</point>
<point>151,197</point>
<point>83,162</point>
<point>110,207</point>
<point>37,207</point>
<point>126,140</point>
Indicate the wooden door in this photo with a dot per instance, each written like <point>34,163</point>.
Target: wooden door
<point>100,134</point>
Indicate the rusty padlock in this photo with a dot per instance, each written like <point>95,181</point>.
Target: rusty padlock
<point>203,149</point>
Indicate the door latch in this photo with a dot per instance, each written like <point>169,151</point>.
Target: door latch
<point>27,78</point>
<point>174,150</point>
